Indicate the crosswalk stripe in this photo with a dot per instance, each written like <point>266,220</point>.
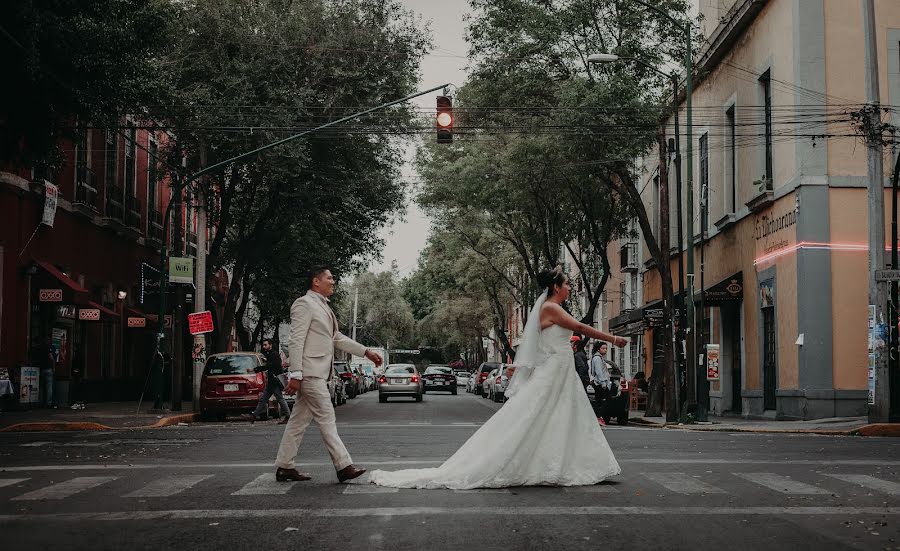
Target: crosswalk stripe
<point>65,489</point>
<point>595,489</point>
<point>169,486</point>
<point>683,483</point>
<point>883,486</point>
<point>265,485</point>
<point>361,489</point>
<point>11,481</point>
<point>783,484</point>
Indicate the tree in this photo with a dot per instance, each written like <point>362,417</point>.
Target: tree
<point>70,60</point>
<point>247,73</point>
<point>384,318</point>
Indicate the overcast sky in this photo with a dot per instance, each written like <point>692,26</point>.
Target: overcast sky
<point>446,63</point>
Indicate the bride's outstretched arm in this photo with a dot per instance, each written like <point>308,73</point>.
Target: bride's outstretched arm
<point>556,314</point>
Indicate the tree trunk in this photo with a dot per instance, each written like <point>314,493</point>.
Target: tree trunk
<point>231,300</point>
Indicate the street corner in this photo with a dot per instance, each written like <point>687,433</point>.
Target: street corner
<point>878,429</point>
<point>56,426</point>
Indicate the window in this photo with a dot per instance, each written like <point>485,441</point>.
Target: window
<point>130,151</point>
<point>634,349</point>
<point>152,176</point>
<point>656,205</point>
<point>623,296</point>
<point>111,152</point>
<point>765,83</point>
<point>704,181</point>
<point>731,161</point>
<point>633,292</point>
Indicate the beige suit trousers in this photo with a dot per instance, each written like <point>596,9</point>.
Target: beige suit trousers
<point>313,402</point>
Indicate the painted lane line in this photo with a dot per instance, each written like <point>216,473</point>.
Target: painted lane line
<point>382,512</point>
<point>65,489</point>
<point>363,489</point>
<point>169,486</point>
<point>783,484</point>
<point>683,483</point>
<point>265,485</point>
<point>866,481</point>
<point>11,481</point>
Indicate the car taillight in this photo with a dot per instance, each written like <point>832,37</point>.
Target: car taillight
<point>382,379</point>
<point>345,375</point>
<point>260,379</point>
<point>414,379</point>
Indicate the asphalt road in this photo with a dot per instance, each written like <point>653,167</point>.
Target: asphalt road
<point>211,486</point>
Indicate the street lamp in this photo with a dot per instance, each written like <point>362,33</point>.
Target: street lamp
<point>673,77</point>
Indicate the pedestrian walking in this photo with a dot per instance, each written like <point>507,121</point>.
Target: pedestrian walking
<point>314,336</point>
<point>273,385</point>
<point>600,378</point>
<point>581,362</point>
<point>48,369</point>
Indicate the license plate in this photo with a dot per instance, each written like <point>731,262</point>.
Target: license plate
<point>440,382</point>
<point>398,381</point>
<point>231,388</point>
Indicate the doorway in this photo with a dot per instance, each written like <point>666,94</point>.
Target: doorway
<point>770,366</point>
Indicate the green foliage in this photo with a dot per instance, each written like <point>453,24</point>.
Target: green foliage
<point>70,59</point>
<point>384,318</point>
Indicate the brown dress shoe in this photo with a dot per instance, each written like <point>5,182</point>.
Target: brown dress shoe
<point>350,472</point>
<point>283,475</point>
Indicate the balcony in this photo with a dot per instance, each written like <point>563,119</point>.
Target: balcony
<point>628,258</point>
<point>85,192</point>
<point>133,212</point>
<point>155,226</point>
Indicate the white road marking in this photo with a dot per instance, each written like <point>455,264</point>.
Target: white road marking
<point>65,489</point>
<point>265,485</point>
<point>360,489</point>
<point>877,484</point>
<point>387,512</point>
<point>683,483</point>
<point>11,481</point>
<point>595,489</point>
<point>783,484</point>
<point>169,486</point>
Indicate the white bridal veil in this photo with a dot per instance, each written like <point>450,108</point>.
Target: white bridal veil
<point>527,357</point>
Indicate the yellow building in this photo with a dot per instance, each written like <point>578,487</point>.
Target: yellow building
<point>785,256</point>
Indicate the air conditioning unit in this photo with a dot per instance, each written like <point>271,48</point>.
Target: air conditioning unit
<point>628,257</point>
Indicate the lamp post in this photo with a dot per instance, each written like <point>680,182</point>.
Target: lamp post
<point>179,186</point>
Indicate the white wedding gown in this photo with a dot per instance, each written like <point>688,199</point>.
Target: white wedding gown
<point>545,435</point>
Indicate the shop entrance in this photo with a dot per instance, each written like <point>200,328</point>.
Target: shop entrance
<point>770,366</point>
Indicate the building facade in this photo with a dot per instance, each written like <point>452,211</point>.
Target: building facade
<point>780,188</point>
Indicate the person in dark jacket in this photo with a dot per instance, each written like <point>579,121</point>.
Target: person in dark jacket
<point>581,362</point>
<point>273,385</point>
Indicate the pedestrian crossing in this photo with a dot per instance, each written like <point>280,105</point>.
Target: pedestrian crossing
<point>636,483</point>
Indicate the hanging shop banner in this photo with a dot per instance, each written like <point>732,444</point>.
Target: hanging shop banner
<point>200,323</point>
<point>51,194</point>
<point>50,295</point>
<point>712,362</point>
<point>29,385</point>
<point>181,270</point>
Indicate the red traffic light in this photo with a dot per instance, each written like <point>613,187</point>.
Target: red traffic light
<point>444,119</point>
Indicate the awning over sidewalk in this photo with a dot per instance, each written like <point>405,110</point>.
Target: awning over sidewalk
<point>97,312</point>
<point>72,291</point>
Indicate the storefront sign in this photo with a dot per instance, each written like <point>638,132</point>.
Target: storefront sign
<point>67,312</point>
<point>137,322</point>
<point>51,194</point>
<point>89,314</point>
<point>200,322</point>
<point>726,291</point>
<point>181,270</point>
<point>776,230</point>
<point>29,385</point>
<point>712,362</point>
<point>50,295</point>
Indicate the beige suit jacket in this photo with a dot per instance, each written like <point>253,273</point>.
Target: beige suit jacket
<point>314,336</point>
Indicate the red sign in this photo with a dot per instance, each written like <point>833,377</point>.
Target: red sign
<point>50,295</point>
<point>200,323</point>
<point>89,314</point>
<point>137,322</point>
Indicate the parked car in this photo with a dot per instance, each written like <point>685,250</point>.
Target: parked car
<point>400,380</point>
<point>360,379</point>
<point>346,375</point>
<point>462,378</point>
<point>231,383</point>
<point>481,375</point>
<point>488,383</point>
<point>472,383</point>
<point>337,388</point>
<point>371,378</point>
<point>500,381</point>
<point>439,377</point>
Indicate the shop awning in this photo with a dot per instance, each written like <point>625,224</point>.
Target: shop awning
<point>135,313</point>
<point>89,313</point>
<point>72,291</point>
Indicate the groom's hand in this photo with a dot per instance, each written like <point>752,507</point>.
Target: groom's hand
<point>293,387</point>
<point>374,358</point>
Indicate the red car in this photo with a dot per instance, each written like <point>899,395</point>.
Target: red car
<point>231,383</point>
<point>482,374</point>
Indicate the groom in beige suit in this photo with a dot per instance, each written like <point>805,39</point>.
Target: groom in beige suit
<point>314,336</point>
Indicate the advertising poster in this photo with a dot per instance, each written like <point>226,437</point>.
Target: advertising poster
<point>29,389</point>
<point>712,362</point>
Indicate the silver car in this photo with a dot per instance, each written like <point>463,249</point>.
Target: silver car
<point>400,380</point>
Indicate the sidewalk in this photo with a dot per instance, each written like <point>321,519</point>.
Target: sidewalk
<point>835,426</point>
<point>95,416</point>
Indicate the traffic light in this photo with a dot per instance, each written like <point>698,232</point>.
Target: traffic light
<point>444,119</point>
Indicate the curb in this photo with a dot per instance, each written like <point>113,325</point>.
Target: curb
<point>61,426</point>
<point>876,429</point>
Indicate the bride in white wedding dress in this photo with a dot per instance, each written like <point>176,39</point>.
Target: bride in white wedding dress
<point>547,433</point>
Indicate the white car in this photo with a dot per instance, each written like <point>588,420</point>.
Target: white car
<point>462,377</point>
<point>500,381</point>
<point>487,385</point>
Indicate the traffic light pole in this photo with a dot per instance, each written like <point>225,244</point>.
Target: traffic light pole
<point>157,363</point>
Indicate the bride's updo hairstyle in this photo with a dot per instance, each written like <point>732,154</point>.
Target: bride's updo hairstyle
<point>548,279</point>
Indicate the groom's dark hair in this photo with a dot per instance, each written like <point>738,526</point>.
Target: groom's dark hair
<point>315,272</point>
